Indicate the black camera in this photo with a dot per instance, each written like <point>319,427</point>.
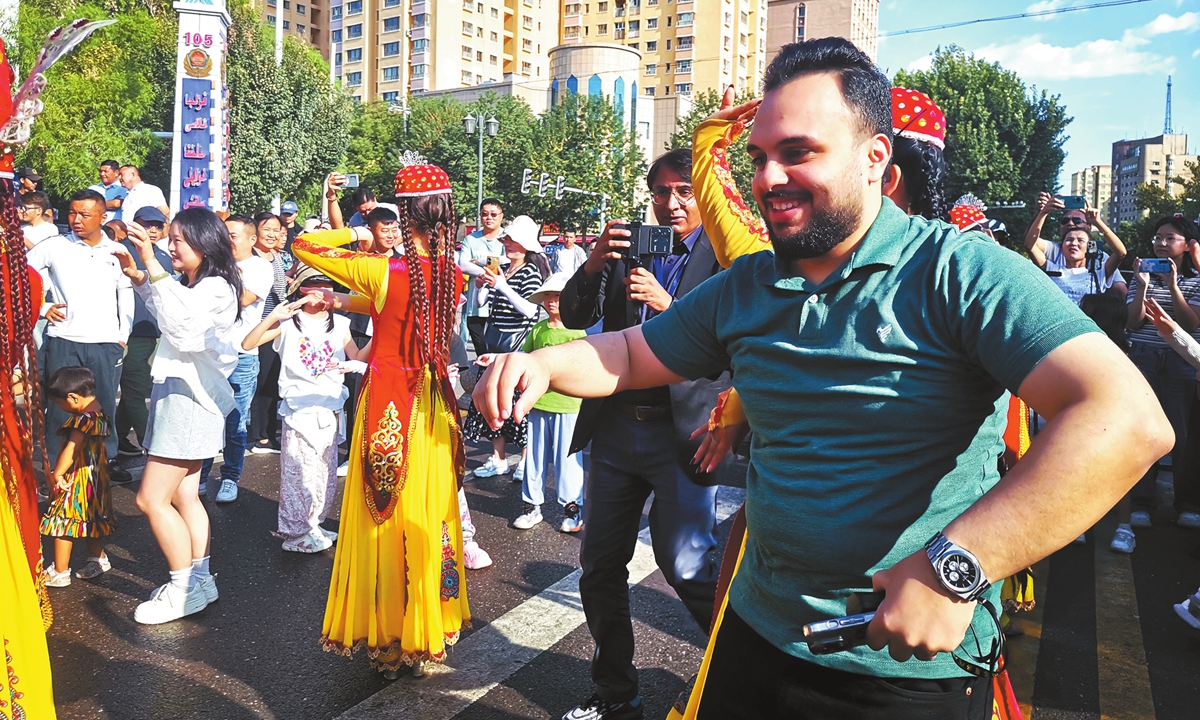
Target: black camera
<point>646,241</point>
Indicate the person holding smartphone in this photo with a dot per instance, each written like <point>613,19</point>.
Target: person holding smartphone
<point>1173,380</point>
<point>1068,262</point>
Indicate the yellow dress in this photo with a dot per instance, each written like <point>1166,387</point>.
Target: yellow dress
<point>397,577</point>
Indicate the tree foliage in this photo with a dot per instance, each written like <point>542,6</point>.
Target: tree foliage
<point>1157,202</point>
<point>288,124</point>
<point>1004,140</point>
<point>703,105</point>
<point>582,138</point>
<point>106,98</point>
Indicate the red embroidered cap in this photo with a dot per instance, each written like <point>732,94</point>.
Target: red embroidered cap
<point>418,178</point>
<point>967,217</point>
<point>915,116</point>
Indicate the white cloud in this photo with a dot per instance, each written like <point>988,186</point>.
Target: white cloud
<point>1047,5</point>
<point>1196,53</point>
<point>1032,58</point>
<point>921,64</point>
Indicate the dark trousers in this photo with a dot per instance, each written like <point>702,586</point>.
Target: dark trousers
<point>1174,383</point>
<point>264,409</point>
<point>352,381</point>
<point>132,411</point>
<point>476,326</point>
<point>104,360</point>
<point>1187,472</point>
<point>630,460</point>
<point>750,678</point>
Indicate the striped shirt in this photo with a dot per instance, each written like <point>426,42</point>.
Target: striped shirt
<point>1188,286</point>
<point>278,294</point>
<point>526,280</point>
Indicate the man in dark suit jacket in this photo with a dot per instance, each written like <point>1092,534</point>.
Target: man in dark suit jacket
<point>640,444</point>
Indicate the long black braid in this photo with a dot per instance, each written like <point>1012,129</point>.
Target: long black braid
<point>432,216</point>
<point>924,172</point>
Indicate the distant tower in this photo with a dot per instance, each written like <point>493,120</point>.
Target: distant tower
<point>1167,129</point>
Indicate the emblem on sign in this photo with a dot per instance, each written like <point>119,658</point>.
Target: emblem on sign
<point>197,63</point>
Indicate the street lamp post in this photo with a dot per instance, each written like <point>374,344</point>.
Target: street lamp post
<point>401,109</point>
<point>472,123</point>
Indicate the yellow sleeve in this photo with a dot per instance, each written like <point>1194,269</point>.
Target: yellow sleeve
<point>363,273</point>
<point>728,412</point>
<point>731,226</point>
<point>359,304</point>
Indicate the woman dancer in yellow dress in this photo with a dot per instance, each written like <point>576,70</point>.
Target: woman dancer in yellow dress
<point>397,585</point>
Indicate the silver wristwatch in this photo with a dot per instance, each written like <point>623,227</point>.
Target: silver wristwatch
<point>957,569</point>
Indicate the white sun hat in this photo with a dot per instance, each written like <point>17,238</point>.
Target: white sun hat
<point>554,284</point>
<point>525,232</point>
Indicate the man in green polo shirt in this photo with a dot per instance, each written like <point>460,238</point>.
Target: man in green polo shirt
<point>874,354</point>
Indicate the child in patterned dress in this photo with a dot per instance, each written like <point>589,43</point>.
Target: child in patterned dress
<point>82,505</point>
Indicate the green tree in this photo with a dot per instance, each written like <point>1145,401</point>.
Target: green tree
<point>288,125</point>
<point>703,105</point>
<point>106,98</point>
<point>1157,202</point>
<point>1004,140</point>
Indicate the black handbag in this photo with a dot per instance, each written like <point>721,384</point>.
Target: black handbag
<point>496,340</point>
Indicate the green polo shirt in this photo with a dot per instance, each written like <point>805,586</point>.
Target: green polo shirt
<point>877,400</point>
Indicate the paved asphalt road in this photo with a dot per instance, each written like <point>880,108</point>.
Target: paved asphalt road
<point>1103,642</point>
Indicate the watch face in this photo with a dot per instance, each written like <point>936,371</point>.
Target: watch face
<point>958,572</point>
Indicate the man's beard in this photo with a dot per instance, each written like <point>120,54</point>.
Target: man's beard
<point>825,230</point>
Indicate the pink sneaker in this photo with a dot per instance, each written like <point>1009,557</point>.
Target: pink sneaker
<point>475,557</point>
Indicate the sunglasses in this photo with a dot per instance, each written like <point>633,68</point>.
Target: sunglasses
<point>1073,220</point>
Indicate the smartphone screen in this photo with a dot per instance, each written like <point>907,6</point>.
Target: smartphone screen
<point>351,181</point>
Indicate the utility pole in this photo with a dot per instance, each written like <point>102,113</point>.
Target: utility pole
<point>471,123</point>
<point>1167,129</point>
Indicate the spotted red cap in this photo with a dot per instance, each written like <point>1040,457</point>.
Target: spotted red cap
<point>967,217</point>
<point>916,116</point>
<point>423,179</point>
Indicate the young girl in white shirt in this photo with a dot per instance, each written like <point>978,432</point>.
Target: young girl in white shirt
<point>315,350</point>
<point>190,397</point>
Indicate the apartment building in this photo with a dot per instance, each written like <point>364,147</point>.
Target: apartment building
<point>1095,184</point>
<point>307,20</point>
<point>1150,161</point>
<point>687,47</point>
<point>790,21</point>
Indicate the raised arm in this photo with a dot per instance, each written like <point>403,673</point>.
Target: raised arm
<point>332,182</point>
<point>1114,243</point>
<point>364,273</point>
<point>732,227</point>
<point>1034,243</point>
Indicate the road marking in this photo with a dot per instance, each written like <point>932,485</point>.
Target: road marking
<point>1124,676</point>
<point>486,658</point>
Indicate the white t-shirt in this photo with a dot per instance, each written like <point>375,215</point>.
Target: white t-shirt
<point>1077,282</point>
<point>141,195</point>
<point>257,277</point>
<point>37,233</point>
<point>310,358</point>
<point>98,296</point>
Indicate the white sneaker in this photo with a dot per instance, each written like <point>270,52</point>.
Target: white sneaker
<point>228,492</point>
<point>94,568</point>
<point>1140,519</point>
<point>1188,520</point>
<point>209,586</point>
<point>475,557</point>
<point>494,466</point>
<point>519,472</point>
<point>1123,541</point>
<point>313,542</point>
<point>1189,610</point>
<point>57,579</point>
<point>169,603</point>
<point>573,522</point>
<point>328,533</point>
<point>344,469</point>
<point>532,516</point>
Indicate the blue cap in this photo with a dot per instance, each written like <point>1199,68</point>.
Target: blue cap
<point>289,208</point>
<point>149,214</point>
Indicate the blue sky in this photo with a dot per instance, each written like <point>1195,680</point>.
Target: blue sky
<point>1110,65</point>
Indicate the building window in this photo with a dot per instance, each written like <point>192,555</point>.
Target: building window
<point>633,45</point>
<point>391,3</point>
<point>354,79</point>
<point>270,19</point>
<point>728,19</point>
<point>651,23</point>
<point>526,68</point>
<point>287,5</point>
<point>683,66</point>
<point>300,9</point>
<point>392,97</point>
<point>495,14</point>
<point>526,22</point>
<point>391,24</point>
<point>468,77</point>
<point>602,7</point>
<point>602,29</point>
<point>468,6</point>
<point>391,73</point>
<point>572,10</point>
<point>287,25</point>
<point>526,44</point>
<point>479,56</point>
<point>354,7</point>
<point>354,55</point>
<point>479,8</point>
<point>745,18</point>
<point>300,28</point>
<point>468,28</point>
<point>683,89</point>
<point>493,60</point>
<point>272,3</point>
<point>466,52</point>
<point>727,42</point>
<point>652,46</point>
<point>649,92</point>
<point>337,59</point>
<point>392,49</point>
<point>335,13</point>
<point>651,69</point>
<point>667,69</point>
<point>418,71</point>
<point>337,34</point>
<point>494,36</point>
<point>420,20</point>
<point>800,23</point>
<point>354,31</point>
<point>571,33</point>
<point>685,42</point>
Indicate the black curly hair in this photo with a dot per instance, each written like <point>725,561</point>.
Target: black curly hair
<point>923,171</point>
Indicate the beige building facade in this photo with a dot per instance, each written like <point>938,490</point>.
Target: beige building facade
<point>790,21</point>
<point>307,20</point>
<point>1150,161</point>
<point>1095,184</point>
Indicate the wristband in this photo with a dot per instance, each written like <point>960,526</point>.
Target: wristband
<point>160,276</point>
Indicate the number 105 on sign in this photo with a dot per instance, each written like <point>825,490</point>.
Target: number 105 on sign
<point>197,40</point>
